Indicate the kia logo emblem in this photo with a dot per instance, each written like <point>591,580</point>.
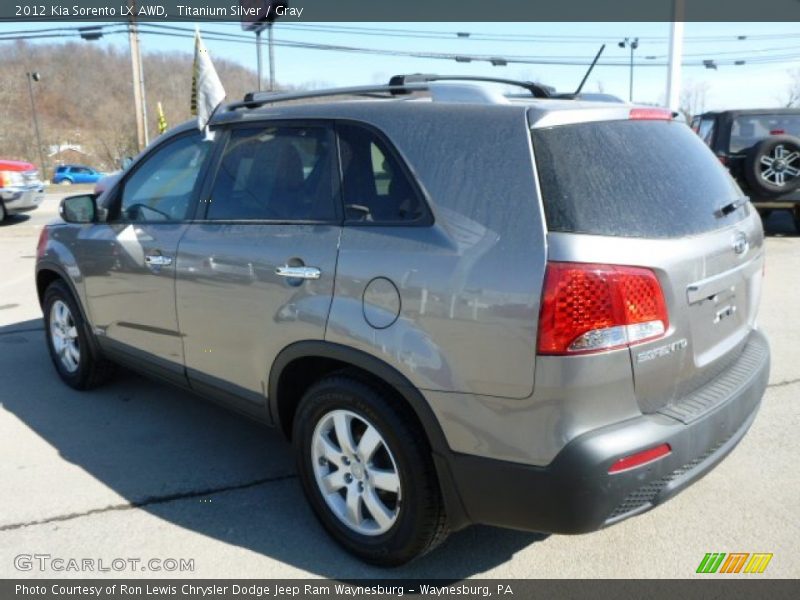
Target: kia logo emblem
<point>740,243</point>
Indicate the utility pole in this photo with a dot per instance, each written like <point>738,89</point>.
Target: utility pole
<point>34,76</point>
<point>271,58</point>
<point>138,80</point>
<point>675,56</point>
<point>258,57</point>
<point>633,44</point>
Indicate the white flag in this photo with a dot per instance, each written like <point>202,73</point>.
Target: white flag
<point>207,90</point>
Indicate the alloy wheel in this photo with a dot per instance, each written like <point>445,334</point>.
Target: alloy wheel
<point>780,166</point>
<point>64,336</point>
<point>356,472</point>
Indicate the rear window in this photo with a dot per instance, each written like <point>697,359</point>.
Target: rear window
<point>748,130</point>
<point>632,179</point>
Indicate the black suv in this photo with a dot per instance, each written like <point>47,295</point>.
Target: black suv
<point>761,148</point>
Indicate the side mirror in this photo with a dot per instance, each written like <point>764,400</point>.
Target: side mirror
<point>78,209</point>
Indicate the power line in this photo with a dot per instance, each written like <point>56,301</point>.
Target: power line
<point>569,60</point>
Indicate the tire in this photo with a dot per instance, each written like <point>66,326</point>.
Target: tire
<point>3,212</point>
<point>796,218</point>
<point>71,344</point>
<point>65,182</point>
<point>772,167</point>
<point>414,521</point>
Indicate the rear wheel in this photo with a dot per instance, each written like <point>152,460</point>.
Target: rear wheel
<point>367,471</point>
<point>72,349</point>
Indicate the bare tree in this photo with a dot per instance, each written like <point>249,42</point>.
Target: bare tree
<point>791,96</point>
<point>85,97</point>
<point>693,98</point>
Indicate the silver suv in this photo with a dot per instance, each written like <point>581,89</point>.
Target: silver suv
<point>461,307</point>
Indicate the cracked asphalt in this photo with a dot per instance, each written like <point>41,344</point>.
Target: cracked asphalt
<point>137,469</point>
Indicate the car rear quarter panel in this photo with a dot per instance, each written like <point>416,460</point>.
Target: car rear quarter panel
<point>469,285</point>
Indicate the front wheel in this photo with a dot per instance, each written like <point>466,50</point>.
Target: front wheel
<point>72,350</point>
<point>366,469</point>
<point>3,213</point>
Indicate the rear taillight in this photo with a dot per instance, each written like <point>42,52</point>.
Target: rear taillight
<point>589,308</point>
<point>657,114</point>
<point>40,247</point>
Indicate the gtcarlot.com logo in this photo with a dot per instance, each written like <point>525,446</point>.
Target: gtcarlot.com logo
<point>735,562</point>
<point>58,564</point>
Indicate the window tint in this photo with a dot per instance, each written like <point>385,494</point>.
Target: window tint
<point>275,173</point>
<point>632,179</point>
<point>376,187</point>
<point>162,187</point>
<point>706,131</point>
<point>748,130</point>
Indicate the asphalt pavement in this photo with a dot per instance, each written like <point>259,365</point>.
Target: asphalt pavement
<point>139,470</point>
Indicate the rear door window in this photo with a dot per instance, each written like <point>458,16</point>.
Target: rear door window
<point>748,130</point>
<point>376,185</point>
<point>276,173</point>
<point>632,179</point>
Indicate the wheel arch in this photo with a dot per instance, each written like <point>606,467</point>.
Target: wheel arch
<point>302,363</point>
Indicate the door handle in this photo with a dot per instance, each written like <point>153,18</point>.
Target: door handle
<point>158,260</point>
<point>298,272</point>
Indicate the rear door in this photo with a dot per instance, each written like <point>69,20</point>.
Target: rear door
<point>256,270</point>
<point>649,193</point>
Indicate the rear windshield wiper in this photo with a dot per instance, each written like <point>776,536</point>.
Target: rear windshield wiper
<point>727,209</point>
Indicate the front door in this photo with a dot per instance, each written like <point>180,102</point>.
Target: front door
<point>128,262</point>
<point>256,272</point>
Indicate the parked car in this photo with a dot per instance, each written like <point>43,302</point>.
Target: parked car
<point>69,174</point>
<point>761,149</point>
<point>460,308</point>
<point>20,188</point>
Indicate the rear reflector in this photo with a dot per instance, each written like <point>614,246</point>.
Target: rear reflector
<point>656,114</point>
<point>591,308</point>
<point>640,458</point>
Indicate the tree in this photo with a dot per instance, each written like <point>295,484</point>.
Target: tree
<point>693,98</point>
<point>85,97</point>
<point>792,93</point>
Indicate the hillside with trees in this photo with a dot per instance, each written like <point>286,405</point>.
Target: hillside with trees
<point>85,97</point>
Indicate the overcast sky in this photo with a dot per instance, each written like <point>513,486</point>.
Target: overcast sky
<point>729,86</point>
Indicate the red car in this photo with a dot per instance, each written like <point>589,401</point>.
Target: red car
<point>20,187</point>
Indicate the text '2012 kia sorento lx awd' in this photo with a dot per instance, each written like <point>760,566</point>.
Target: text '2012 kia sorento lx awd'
<point>460,307</point>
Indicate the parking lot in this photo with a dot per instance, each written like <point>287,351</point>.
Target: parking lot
<point>139,470</point>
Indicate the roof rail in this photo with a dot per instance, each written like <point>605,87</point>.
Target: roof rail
<point>537,90</point>
<point>256,99</point>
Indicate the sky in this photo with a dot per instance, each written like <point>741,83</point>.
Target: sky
<point>729,86</point>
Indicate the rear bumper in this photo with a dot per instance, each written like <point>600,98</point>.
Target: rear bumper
<point>22,198</point>
<point>576,494</point>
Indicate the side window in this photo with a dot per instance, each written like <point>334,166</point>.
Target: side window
<point>376,187</point>
<point>161,188</point>
<point>706,131</point>
<point>280,173</point>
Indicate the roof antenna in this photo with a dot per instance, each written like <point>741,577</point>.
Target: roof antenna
<point>585,77</point>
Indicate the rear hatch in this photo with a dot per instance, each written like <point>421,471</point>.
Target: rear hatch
<point>649,193</point>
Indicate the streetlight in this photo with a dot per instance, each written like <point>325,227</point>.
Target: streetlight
<point>633,44</point>
<point>34,76</point>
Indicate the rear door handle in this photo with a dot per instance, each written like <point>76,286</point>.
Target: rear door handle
<point>158,260</point>
<point>298,272</point>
